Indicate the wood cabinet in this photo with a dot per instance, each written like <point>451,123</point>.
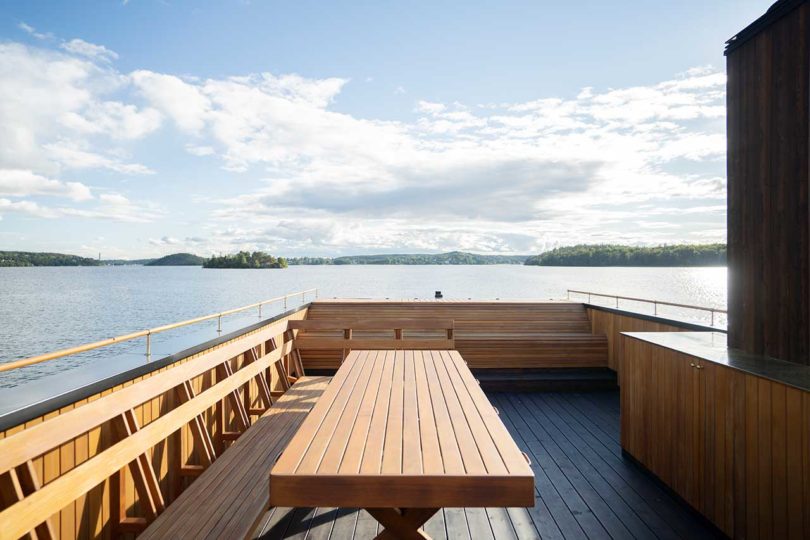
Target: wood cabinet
<point>735,446</point>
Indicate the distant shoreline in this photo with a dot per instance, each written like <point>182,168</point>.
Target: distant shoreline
<point>586,256</point>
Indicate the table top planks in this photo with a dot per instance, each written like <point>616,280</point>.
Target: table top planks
<point>402,429</point>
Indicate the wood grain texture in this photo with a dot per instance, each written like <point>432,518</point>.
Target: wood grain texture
<point>611,325</point>
<point>68,441</point>
<point>733,445</point>
<point>386,451</point>
<point>768,216</point>
<point>487,334</point>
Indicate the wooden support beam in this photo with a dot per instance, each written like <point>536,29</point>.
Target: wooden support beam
<point>202,440</point>
<point>192,470</point>
<point>402,524</point>
<point>242,418</point>
<point>261,381</point>
<point>133,525</point>
<point>143,474</point>
<point>15,485</point>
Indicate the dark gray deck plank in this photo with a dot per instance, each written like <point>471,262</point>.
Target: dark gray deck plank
<point>590,483</point>
<point>478,523</point>
<point>344,525</point>
<point>435,527</point>
<point>597,505</point>
<point>562,517</point>
<point>522,523</point>
<point>673,513</point>
<point>456,524</point>
<point>501,523</point>
<point>584,515</point>
<point>584,487</point>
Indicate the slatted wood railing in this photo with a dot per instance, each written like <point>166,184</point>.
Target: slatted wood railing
<point>204,404</point>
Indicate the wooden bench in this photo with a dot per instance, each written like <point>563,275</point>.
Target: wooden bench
<point>346,334</point>
<point>140,459</point>
<point>230,497</point>
<point>489,335</point>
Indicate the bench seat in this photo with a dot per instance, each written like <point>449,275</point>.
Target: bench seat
<point>230,497</point>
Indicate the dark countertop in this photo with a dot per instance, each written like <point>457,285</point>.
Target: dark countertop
<point>712,347</point>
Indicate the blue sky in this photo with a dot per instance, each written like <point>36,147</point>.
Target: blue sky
<point>327,128</point>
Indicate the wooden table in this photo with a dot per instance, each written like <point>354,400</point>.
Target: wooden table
<point>402,434</point>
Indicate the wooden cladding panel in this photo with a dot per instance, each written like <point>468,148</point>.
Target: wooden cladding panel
<point>733,445</point>
<point>487,334</point>
<point>95,513</point>
<point>612,325</point>
<point>768,175</point>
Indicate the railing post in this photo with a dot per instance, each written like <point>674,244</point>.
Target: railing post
<point>260,311</point>
<point>285,303</point>
<point>617,302</point>
<point>568,294</point>
<point>589,298</point>
<point>655,308</point>
<point>712,312</point>
<point>316,294</point>
<point>219,323</point>
<point>148,346</point>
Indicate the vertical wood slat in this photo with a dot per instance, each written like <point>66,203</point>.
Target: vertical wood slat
<point>740,449</point>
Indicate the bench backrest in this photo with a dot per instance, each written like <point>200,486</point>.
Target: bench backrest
<point>188,392</point>
<point>356,334</point>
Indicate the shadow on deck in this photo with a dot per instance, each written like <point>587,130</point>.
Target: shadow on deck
<point>584,488</point>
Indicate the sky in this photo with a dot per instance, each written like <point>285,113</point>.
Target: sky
<point>146,127</point>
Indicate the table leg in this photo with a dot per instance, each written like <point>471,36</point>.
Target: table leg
<point>402,523</point>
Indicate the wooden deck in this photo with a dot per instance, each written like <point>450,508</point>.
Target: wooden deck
<point>584,487</point>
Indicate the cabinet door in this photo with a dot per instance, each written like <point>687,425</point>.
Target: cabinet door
<point>685,417</point>
<point>719,403</point>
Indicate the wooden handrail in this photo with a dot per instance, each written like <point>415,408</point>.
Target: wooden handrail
<point>146,333</point>
<point>22,447</point>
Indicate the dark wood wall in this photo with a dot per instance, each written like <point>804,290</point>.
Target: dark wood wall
<point>768,218</point>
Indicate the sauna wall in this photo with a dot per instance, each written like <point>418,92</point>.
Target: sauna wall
<point>768,219</point>
<point>98,513</point>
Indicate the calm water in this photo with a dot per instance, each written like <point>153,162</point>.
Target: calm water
<point>43,309</point>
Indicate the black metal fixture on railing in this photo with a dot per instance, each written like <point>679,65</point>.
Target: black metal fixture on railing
<point>438,294</point>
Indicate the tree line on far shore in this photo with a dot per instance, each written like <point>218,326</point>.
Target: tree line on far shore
<point>619,255</point>
<point>580,255</point>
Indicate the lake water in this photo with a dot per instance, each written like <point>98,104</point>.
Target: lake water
<point>44,309</point>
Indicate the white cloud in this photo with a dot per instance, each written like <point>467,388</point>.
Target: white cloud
<point>90,50</point>
<point>184,102</point>
<point>508,176</point>
<point>72,157</point>
<point>164,241</point>
<point>199,150</point>
<point>30,30</point>
<point>22,183</point>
